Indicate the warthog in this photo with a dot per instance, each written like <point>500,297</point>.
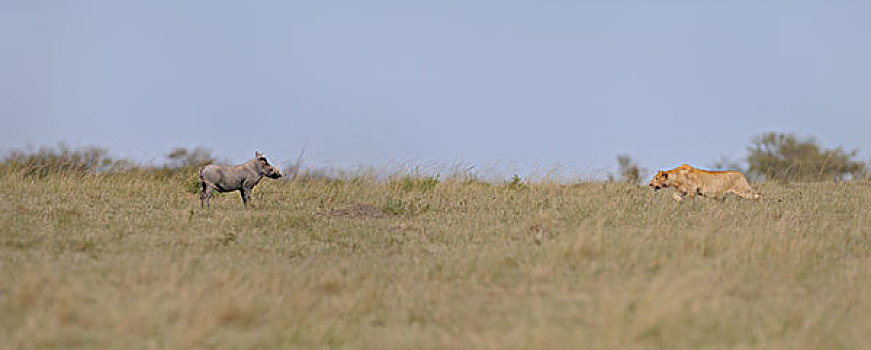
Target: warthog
<point>228,178</point>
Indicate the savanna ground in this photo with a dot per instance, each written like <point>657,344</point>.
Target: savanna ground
<point>130,261</point>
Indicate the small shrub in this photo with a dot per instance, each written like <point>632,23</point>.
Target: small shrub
<point>726,163</point>
<point>227,238</point>
<point>192,184</point>
<point>412,183</point>
<point>181,157</point>
<point>396,207</point>
<point>629,171</point>
<point>515,183</point>
<point>401,207</point>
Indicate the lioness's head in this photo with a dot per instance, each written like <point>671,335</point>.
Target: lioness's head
<point>660,180</point>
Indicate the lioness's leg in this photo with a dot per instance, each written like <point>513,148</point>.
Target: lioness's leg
<point>690,191</point>
<point>742,189</point>
<point>721,195</point>
<point>684,191</point>
<point>679,193</point>
<point>746,194</point>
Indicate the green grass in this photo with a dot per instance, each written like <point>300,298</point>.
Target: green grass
<point>130,261</point>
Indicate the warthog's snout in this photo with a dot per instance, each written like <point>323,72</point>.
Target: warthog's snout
<point>271,171</point>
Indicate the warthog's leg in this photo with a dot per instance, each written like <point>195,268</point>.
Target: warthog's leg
<point>246,195</point>
<point>205,193</point>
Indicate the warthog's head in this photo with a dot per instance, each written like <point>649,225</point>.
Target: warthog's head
<point>660,180</point>
<point>267,169</point>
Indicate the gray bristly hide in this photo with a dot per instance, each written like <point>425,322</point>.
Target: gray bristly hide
<point>228,178</point>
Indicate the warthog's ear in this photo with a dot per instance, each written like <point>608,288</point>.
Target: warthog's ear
<point>257,154</point>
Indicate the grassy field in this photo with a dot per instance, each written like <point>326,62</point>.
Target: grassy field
<point>127,261</point>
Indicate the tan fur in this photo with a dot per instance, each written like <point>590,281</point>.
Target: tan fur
<point>689,181</point>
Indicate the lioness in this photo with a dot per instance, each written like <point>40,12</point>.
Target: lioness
<point>689,182</point>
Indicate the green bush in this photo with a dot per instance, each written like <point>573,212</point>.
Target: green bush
<point>785,157</point>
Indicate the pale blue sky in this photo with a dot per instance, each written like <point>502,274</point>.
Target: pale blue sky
<point>528,83</point>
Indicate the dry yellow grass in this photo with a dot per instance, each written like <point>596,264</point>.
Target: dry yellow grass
<point>133,262</point>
